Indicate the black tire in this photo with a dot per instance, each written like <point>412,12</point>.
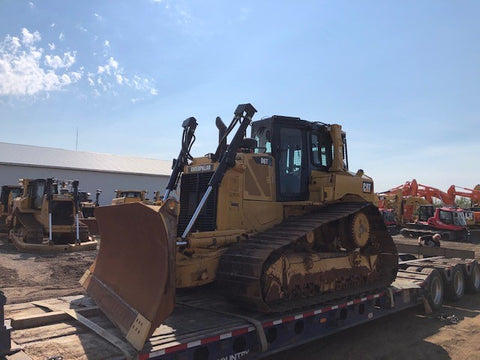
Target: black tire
<point>455,288</point>
<point>434,288</point>
<point>472,280</point>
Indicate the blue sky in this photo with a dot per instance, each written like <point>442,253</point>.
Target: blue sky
<point>401,77</point>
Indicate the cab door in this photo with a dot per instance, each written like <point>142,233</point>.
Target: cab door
<point>292,169</point>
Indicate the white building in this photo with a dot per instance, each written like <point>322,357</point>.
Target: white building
<point>94,171</point>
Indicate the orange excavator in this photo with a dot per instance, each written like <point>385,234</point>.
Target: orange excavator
<point>413,198</point>
<point>472,214</point>
<point>273,222</point>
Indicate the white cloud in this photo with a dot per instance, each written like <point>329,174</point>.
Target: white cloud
<point>56,61</point>
<point>90,79</point>
<point>113,63</point>
<point>65,79</point>
<point>31,4</point>
<point>76,76</point>
<point>98,17</point>
<point>29,38</point>
<point>61,36</point>
<point>109,68</point>
<point>21,71</point>
<point>111,73</point>
<point>27,68</point>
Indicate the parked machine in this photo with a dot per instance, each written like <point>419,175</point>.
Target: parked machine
<point>128,196</point>
<point>449,222</point>
<point>416,215</point>
<point>276,220</point>
<point>398,209</point>
<point>45,217</point>
<point>87,209</point>
<point>7,195</point>
<point>472,214</point>
<point>87,205</point>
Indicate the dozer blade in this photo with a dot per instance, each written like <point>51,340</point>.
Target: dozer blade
<point>133,277</point>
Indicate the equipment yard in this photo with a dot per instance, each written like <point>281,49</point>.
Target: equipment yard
<point>411,334</point>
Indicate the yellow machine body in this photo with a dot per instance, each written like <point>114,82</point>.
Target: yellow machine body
<point>272,220</point>
<point>45,219</point>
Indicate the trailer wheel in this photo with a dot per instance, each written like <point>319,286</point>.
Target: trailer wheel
<point>473,279</point>
<point>434,288</point>
<point>456,287</point>
<point>405,232</point>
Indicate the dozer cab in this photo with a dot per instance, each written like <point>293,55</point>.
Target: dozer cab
<point>128,196</point>
<point>276,220</point>
<point>87,205</point>
<point>87,210</point>
<point>45,218</point>
<point>7,195</point>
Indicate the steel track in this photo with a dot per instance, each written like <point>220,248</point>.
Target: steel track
<point>241,267</point>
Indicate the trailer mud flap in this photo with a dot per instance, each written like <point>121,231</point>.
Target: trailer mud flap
<point>133,277</point>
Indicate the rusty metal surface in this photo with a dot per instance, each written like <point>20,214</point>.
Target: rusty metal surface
<point>242,269</point>
<point>92,225</point>
<point>134,272</point>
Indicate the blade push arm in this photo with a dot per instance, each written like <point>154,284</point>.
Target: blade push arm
<point>188,138</point>
<point>245,112</point>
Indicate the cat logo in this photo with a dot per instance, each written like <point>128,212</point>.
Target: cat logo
<point>367,187</point>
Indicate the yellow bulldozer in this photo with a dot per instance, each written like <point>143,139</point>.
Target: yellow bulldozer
<point>128,196</point>
<point>46,218</point>
<point>7,195</point>
<point>276,220</point>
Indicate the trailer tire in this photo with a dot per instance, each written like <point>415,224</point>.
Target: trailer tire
<point>434,288</point>
<point>472,280</point>
<point>456,287</point>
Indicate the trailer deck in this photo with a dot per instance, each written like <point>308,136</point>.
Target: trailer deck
<point>205,326</point>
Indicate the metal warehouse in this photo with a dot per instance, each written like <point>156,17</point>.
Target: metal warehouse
<point>94,171</point>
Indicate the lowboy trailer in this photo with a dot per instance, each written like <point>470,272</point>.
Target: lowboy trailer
<point>205,326</point>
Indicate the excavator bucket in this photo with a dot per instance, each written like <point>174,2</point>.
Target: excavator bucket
<point>133,277</point>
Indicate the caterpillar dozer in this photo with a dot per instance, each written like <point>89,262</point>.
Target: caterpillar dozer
<point>46,218</point>
<point>275,220</point>
<point>7,195</point>
<point>128,196</point>
<point>87,210</point>
<point>86,204</point>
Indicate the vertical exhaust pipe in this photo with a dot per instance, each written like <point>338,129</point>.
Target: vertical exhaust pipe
<point>75,201</point>
<point>49,202</point>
